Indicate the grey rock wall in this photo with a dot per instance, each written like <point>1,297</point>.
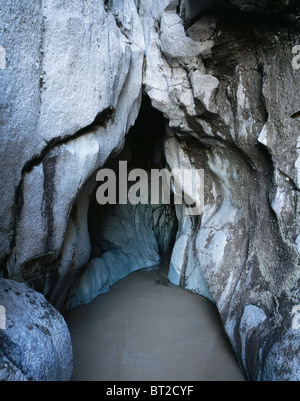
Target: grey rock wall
<point>72,89</point>
<point>70,83</point>
<point>71,79</point>
<point>228,89</point>
<point>35,344</point>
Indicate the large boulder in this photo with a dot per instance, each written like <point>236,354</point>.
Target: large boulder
<point>35,343</point>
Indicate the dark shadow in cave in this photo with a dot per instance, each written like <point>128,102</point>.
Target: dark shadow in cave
<point>110,224</point>
<point>144,141</point>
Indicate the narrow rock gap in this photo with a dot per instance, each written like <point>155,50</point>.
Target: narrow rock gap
<point>143,149</point>
<point>128,237</point>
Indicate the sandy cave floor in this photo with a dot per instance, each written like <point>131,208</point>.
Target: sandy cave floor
<point>145,329</point>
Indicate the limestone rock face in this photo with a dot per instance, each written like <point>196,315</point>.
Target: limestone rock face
<point>71,89</point>
<point>266,6</point>
<point>229,105</point>
<point>227,83</point>
<point>35,340</point>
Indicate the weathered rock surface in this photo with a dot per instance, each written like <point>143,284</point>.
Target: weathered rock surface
<point>266,6</point>
<point>72,86</point>
<point>71,80</point>
<point>35,344</point>
<point>230,107</point>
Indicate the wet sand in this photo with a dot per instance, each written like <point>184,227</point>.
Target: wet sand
<point>146,330</point>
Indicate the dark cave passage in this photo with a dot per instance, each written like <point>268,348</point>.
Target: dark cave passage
<point>126,237</point>
<point>143,150</point>
<point>142,327</point>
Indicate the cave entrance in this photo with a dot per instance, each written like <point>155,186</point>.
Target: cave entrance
<point>140,330</point>
<point>129,237</point>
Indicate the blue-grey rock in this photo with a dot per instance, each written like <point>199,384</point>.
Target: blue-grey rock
<point>125,238</point>
<point>35,343</point>
<point>230,107</point>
